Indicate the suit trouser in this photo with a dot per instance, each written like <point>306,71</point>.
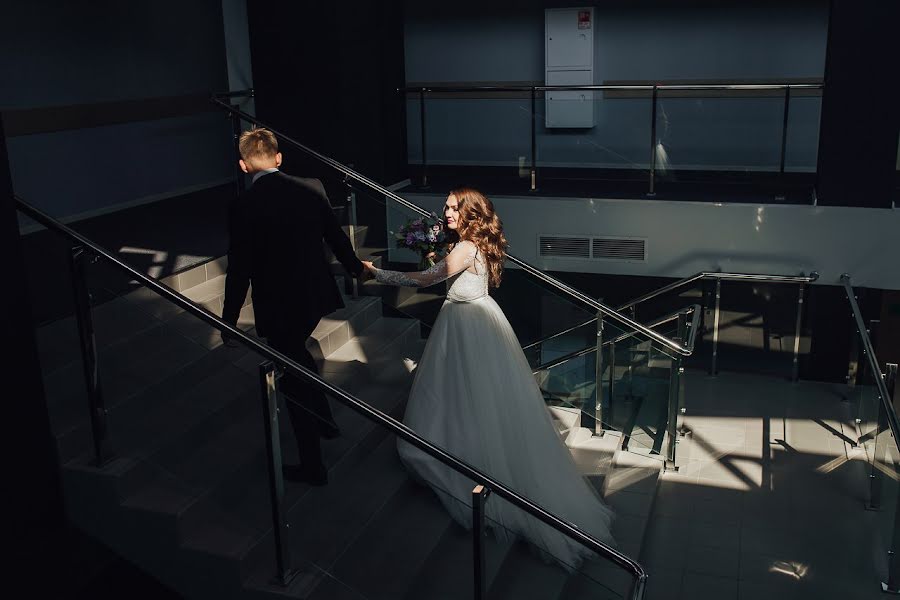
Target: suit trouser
<point>308,407</point>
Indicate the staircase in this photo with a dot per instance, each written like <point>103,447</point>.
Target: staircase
<point>186,496</point>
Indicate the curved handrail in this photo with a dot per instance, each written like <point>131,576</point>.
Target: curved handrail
<point>694,309</point>
<point>723,277</point>
<point>869,351</point>
<point>350,173</point>
<point>396,427</point>
<point>682,282</point>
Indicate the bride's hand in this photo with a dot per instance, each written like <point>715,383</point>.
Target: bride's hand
<point>368,265</point>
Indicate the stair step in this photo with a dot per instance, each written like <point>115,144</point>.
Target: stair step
<point>124,372</point>
<point>448,572</point>
<point>339,327</point>
<point>329,519</point>
<point>391,295</point>
<point>375,343</point>
<point>240,507</point>
<point>384,560</point>
<point>235,435</point>
<point>197,390</point>
<point>524,576</point>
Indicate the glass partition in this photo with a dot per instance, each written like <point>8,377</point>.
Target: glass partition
<point>643,141</point>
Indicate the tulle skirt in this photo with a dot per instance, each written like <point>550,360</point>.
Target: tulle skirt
<point>474,395</point>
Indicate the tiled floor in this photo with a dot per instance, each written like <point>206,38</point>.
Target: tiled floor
<point>769,500</point>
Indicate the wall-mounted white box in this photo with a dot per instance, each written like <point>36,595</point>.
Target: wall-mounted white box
<point>569,60</point>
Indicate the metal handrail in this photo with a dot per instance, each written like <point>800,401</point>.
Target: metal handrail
<point>689,343</point>
<point>396,427</point>
<point>869,351</point>
<point>351,174</point>
<point>682,282</point>
<point>616,87</point>
<point>722,277</point>
<point>559,333</point>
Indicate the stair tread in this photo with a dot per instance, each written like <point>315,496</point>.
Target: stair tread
<point>186,475</point>
<point>524,576</point>
<point>385,558</point>
<point>372,343</point>
<point>192,393</point>
<point>448,571</point>
<point>244,498</point>
<point>328,519</point>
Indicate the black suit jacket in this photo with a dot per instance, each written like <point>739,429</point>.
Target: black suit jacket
<point>276,230</point>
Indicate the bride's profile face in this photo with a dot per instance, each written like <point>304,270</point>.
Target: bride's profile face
<point>451,212</point>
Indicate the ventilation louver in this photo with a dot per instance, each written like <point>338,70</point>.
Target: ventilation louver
<point>563,246</point>
<point>601,248</point>
<point>619,249</point>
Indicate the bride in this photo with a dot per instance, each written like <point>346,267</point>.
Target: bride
<point>475,396</point>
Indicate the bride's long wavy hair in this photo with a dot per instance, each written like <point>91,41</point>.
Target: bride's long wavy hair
<point>479,224</point>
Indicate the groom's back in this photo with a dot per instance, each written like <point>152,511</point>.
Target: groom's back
<point>286,219</point>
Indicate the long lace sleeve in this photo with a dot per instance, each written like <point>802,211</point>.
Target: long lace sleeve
<point>461,258</point>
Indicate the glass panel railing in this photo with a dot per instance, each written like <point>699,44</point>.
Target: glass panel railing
<point>501,120</point>
<point>586,136</point>
<point>639,391</point>
<point>644,141</point>
<point>736,133</point>
<point>750,323</point>
<point>878,430</point>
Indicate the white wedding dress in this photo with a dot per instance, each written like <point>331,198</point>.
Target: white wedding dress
<point>474,395</point>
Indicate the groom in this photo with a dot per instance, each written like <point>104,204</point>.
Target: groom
<point>276,230</point>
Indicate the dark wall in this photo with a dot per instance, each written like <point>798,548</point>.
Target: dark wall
<point>857,164</point>
<point>33,515</point>
<point>327,76</point>
<point>77,89</point>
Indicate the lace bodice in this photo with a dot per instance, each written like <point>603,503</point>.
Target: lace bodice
<point>465,285</point>
<point>468,286</point>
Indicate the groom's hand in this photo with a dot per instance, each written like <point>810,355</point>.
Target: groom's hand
<point>367,272</point>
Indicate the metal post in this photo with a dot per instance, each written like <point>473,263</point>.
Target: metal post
<point>533,139</point>
<point>598,378</point>
<point>652,191</point>
<point>351,226</point>
<point>784,126</point>
<point>892,585</point>
<point>612,382</point>
<point>236,136</point>
<point>283,571</point>
<point>677,370</point>
<point>88,342</point>
<point>479,496</point>
<point>424,149</point>
<point>715,348</point>
<point>853,360</point>
<point>882,438</point>
<point>795,371</point>
<point>637,589</point>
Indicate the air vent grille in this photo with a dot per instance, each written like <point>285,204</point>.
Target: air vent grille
<point>600,248</point>
<point>619,249</point>
<point>566,247</point>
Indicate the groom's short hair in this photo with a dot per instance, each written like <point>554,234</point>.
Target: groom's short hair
<point>258,142</point>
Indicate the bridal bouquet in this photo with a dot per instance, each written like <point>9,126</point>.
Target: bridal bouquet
<point>425,236</point>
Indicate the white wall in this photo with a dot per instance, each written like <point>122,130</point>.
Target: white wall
<point>684,238</point>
